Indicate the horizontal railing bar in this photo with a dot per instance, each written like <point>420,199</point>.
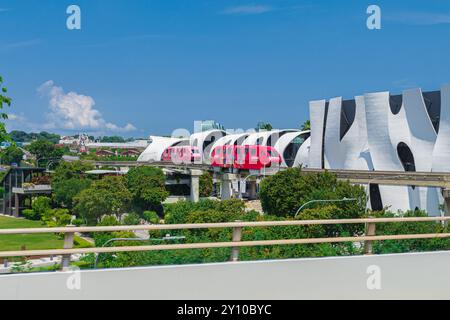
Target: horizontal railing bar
<point>57,252</point>
<point>220,225</point>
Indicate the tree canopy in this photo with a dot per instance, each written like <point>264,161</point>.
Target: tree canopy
<point>4,101</point>
<point>44,151</point>
<point>147,185</point>
<point>108,196</point>
<point>264,126</point>
<point>11,155</point>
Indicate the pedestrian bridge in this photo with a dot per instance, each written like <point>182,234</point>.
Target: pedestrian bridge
<point>398,276</point>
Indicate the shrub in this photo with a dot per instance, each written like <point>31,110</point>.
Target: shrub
<point>206,184</point>
<point>57,218</point>
<point>132,219</point>
<point>285,192</point>
<point>30,214</point>
<point>151,217</point>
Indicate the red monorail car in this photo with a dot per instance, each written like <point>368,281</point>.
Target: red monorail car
<point>245,157</point>
<point>182,155</point>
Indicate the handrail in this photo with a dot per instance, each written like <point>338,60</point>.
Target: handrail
<point>219,225</point>
<point>236,243</point>
<point>209,245</point>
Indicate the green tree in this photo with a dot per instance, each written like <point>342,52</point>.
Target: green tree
<point>11,155</point>
<point>147,185</point>
<point>108,196</point>
<point>69,180</point>
<point>44,151</point>
<point>285,192</point>
<point>206,184</point>
<point>306,125</point>
<point>4,101</point>
<point>263,126</point>
<point>66,190</point>
<point>68,170</point>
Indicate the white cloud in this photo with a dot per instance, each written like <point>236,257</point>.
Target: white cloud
<point>248,9</point>
<point>419,18</point>
<point>73,111</point>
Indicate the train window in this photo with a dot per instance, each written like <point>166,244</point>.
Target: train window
<point>253,152</point>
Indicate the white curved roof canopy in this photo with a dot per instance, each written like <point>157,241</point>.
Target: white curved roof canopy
<point>205,140</point>
<point>265,138</point>
<point>285,142</point>
<point>302,158</point>
<point>158,145</point>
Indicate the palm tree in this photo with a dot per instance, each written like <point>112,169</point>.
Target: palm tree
<point>306,125</point>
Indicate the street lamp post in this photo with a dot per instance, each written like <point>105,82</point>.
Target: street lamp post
<point>323,201</point>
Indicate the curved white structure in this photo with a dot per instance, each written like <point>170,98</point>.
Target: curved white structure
<point>288,146</point>
<point>204,141</point>
<point>158,145</point>
<point>378,131</point>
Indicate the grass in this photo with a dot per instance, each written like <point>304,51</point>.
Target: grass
<point>31,241</point>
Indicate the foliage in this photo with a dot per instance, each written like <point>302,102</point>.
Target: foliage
<point>206,184</point>
<point>4,101</point>
<point>108,196</point>
<point>68,181</point>
<point>39,208</point>
<point>30,214</point>
<point>132,219</point>
<point>285,192</point>
<point>263,126</point>
<point>151,217</point>
<point>147,186</point>
<point>68,170</point>
<point>65,191</point>
<point>21,136</point>
<point>306,125</point>
<point>56,218</point>
<point>11,155</point>
<point>44,151</point>
<point>413,245</point>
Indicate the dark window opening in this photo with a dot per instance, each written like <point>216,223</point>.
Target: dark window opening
<point>291,150</point>
<point>433,105</point>
<point>395,102</point>
<point>348,112</point>
<point>375,197</point>
<point>327,104</point>
<point>406,157</point>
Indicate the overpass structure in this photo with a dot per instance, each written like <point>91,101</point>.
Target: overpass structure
<point>439,180</point>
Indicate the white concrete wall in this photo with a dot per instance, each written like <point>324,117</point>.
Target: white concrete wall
<point>401,276</point>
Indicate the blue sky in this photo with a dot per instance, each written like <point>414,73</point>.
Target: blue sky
<point>147,67</point>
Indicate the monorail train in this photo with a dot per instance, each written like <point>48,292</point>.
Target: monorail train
<point>182,155</point>
<point>247,157</point>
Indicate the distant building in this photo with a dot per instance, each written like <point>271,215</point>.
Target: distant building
<point>207,125</point>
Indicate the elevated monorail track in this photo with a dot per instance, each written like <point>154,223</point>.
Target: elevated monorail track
<point>394,178</point>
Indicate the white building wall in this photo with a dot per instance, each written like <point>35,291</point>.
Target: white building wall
<point>372,140</point>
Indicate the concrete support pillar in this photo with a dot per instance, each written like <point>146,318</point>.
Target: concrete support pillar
<point>226,188</point>
<point>16,205</point>
<point>446,195</point>
<point>195,185</point>
<point>251,189</point>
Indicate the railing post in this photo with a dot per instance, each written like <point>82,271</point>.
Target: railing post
<point>370,231</point>
<point>237,236</point>
<point>68,244</point>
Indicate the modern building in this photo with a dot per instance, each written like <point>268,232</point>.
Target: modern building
<point>385,132</point>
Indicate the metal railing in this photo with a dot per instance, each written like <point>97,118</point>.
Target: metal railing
<point>368,238</point>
